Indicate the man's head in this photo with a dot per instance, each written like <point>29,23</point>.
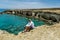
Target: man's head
<point>30,20</point>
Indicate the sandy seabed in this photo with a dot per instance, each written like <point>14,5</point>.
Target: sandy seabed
<point>39,33</point>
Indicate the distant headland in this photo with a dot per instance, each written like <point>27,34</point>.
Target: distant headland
<point>50,15</point>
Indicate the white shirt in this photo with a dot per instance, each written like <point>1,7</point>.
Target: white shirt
<point>30,24</point>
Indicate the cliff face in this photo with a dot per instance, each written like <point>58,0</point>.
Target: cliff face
<point>40,33</point>
<point>50,15</point>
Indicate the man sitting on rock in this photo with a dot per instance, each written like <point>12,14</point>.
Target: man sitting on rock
<point>29,26</point>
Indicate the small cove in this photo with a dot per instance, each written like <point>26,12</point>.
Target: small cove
<point>15,24</point>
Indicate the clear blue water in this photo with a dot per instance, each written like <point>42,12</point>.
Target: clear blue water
<point>15,24</point>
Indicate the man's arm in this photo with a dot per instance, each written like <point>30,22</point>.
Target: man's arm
<point>29,24</point>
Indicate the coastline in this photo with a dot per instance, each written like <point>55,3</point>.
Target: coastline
<point>43,32</point>
<point>49,15</point>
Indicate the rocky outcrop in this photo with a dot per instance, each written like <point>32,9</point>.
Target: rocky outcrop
<point>43,32</point>
<point>50,16</point>
<point>54,17</point>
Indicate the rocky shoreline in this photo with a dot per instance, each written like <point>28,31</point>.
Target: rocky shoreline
<point>41,14</point>
<point>44,32</point>
<point>39,33</point>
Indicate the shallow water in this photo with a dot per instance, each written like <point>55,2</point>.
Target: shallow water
<point>14,24</point>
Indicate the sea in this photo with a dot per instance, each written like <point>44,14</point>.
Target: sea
<point>14,23</point>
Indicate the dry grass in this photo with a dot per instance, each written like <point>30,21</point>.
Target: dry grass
<point>53,11</point>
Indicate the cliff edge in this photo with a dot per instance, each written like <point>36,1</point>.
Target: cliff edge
<point>39,33</point>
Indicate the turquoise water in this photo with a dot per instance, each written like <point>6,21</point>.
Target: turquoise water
<point>14,24</point>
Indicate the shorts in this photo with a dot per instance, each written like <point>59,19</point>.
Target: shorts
<point>31,28</point>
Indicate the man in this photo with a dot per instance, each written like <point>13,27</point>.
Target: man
<point>29,26</point>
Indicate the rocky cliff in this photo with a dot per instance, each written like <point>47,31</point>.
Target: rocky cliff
<point>40,33</point>
<point>49,15</point>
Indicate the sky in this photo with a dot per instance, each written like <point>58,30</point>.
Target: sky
<point>23,4</point>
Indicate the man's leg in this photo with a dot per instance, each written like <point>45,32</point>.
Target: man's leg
<point>27,29</point>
